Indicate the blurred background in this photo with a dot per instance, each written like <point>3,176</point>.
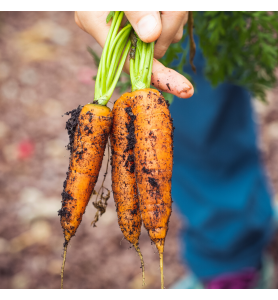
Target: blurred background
<point>45,71</point>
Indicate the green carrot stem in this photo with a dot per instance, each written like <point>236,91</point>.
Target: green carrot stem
<point>150,65</point>
<point>147,63</point>
<point>114,63</point>
<point>101,69</point>
<point>111,62</point>
<point>137,59</point>
<point>117,41</point>
<point>115,23</point>
<point>141,66</point>
<point>104,99</point>
<point>132,70</point>
<point>118,49</point>
<point>113,42</point>
<point>143,58</point>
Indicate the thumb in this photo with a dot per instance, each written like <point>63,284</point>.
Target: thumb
<point>147,24</point>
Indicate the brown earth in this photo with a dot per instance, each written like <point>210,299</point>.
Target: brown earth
<point>45,71</point>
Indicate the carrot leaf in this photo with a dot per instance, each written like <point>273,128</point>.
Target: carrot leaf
<point>110,16</point>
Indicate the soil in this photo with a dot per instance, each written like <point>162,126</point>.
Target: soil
<point>45,70</point>
<point>152,182</point>
<point>71,124</point>
<point>130,128</point>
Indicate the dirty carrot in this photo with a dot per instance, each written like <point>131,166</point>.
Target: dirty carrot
<point>153,153</point>
<point>153,147</point>
<point>153,150</point>
<point>89,128</point>
<point>123,177</point>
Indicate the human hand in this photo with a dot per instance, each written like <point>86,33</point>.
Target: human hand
<point>150,26</point>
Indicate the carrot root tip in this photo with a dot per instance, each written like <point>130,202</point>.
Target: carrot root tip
<point>63,265</point>
<point>161,270</point>
<point>142,262</point>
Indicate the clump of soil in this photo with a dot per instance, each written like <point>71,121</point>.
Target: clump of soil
<point>167,102</point>
<point>145,170</point>
<point>131,140</point>
<point>64,212</point>
<point>153,182</point>
<point>131,130</point>
<point>71,124</point>
<point>130,158</point>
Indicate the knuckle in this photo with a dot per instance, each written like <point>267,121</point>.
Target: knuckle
<point>180,15</point>
<point>159,53</point>
<point>158,56</point>
<point>177,37</point>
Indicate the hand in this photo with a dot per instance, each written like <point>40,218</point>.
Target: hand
<point>150,26</point>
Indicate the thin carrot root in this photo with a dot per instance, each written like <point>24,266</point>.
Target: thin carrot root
<point>142,262</point>
<point>101,204</point>
<point>63,265</point>
<point>161,269</point>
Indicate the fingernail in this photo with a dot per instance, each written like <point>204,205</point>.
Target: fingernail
<point>146,25</point>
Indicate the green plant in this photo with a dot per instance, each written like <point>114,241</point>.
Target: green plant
<point>240,47</point>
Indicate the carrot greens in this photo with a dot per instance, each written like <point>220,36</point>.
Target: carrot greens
<point>141,64</point>
<point>113,57</point>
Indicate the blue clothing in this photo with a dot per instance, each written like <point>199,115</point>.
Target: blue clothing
<point>219,183</point>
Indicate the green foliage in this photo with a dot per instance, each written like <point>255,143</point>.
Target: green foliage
<point>240,47</point>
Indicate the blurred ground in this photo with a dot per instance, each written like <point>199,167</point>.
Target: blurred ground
<point>45,71</point>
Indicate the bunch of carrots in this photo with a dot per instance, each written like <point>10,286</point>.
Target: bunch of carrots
<point>141,135</point>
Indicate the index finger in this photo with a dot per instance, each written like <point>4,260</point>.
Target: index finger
<point>170,81</point>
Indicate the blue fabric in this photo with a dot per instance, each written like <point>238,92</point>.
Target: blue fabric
<point>218,181</point>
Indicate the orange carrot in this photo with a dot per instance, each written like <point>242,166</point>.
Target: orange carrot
<point>123,177</point>
<point>88,138</point>
<point>153,163</point>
